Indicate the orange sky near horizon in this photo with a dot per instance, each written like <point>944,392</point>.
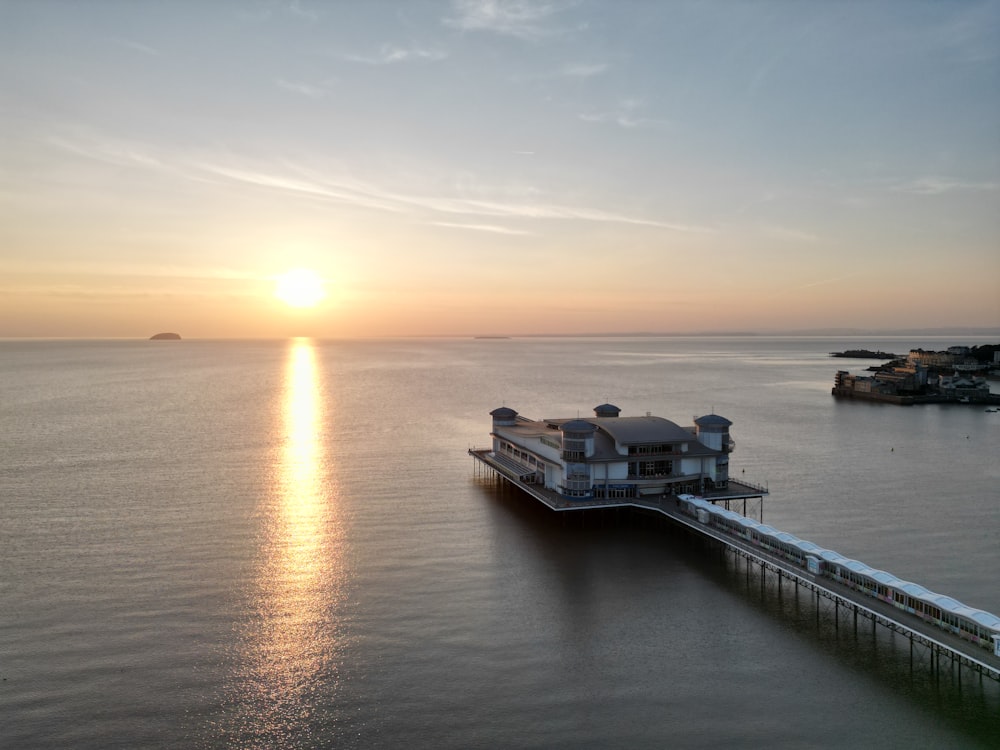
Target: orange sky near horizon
<point>249,309</point>
<point>463,168</point>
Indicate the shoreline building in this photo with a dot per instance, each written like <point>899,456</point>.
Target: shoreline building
<point>608,456</point>
<point>907,386</point>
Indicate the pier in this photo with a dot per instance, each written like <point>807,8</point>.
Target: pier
<point>942,645</point>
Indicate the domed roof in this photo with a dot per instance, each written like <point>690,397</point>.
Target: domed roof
<point>712,420</point>
<point>607,410</point>
<point>577,425</point>
<point>504,412</point>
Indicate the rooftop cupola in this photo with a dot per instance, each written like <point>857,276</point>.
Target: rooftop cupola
<point>504,417</point>
<point>578,426</point>
<point>713,431</point>
<point>607,410</point>
<point>713,422</point>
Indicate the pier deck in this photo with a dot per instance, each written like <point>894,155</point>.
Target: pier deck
<point>736,491</point>
<point>939,641</point>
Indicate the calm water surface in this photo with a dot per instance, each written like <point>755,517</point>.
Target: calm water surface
<point>284,544</point>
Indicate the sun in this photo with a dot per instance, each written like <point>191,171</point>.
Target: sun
<point>299,287</point>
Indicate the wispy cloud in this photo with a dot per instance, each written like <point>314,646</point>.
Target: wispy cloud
<point>790,234</point>
<point>266,10</point>
<point>389,54</point>
<point>133,269</point>
<point>764,198</point>
<point>348,192</point>
<point>297,8</point>
<point>306,89</point>
<point>525,19</point>
<point>118,153</point>
<point>940,185</point>
<point>371,196</point>
<point>968,37</point>
<point>366,195</point>
<point>480,227</point>
<point>136,46</point>
<point>296,179</point>
<point>625,115</point>
<point>624,120</point>
<point>583,70</point>
<point>552,211</point>
<point>833,280</point>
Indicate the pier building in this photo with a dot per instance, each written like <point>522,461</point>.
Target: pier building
<point>611,456</point>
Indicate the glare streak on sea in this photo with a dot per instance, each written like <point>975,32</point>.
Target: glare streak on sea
<point>284,543</point>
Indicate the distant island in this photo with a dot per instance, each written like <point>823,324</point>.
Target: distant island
<point>165,337</point>
<point>864,354</point>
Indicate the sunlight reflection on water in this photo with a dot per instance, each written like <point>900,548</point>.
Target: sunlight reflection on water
<point>290,644</point>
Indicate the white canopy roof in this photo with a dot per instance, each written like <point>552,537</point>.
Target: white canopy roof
<point>944,603</point>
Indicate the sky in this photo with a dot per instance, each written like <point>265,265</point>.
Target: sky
<point>482,167</point>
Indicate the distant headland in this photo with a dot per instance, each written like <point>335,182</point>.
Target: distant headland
<point>955,375</point>
<point>165,337</point>
<point>864,354</point>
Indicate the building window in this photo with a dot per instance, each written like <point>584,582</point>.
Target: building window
<point>651,469</point>
<point>650,450</point>
<point>617,492</point>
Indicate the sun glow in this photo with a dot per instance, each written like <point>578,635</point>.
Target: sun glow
<point>299,287</point>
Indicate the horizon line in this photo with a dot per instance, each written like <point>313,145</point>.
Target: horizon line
<point>978,331</point>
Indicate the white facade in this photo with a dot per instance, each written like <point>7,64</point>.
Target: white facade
<point>958,387</point>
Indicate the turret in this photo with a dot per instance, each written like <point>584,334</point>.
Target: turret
<point>713,431</point>
<point>607,410</point>
<point>577,440</point>
<point>504,417</point>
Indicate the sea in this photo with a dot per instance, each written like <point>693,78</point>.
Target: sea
<point>286,544</point>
